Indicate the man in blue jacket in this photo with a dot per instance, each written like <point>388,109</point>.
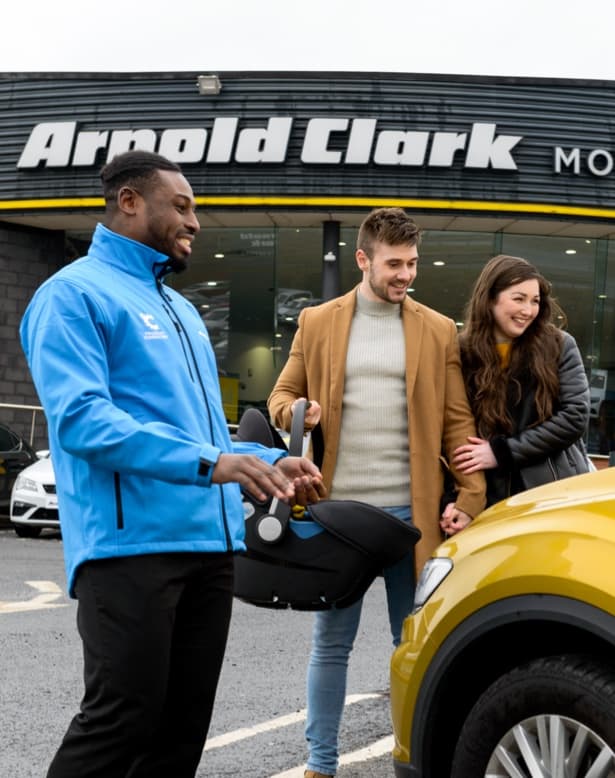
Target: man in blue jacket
<point>148,479</point>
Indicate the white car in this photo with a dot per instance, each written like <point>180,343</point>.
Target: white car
<point>34,504</point>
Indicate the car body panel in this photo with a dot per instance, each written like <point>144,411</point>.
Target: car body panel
<point>36,505</point>
<point>545,555</point>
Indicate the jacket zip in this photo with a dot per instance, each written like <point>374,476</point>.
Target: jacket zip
<point>190,362</point>
<point>119,509</point>
<point>551,466</point>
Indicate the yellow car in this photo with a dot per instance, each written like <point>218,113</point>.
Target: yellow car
<point>507,665</point>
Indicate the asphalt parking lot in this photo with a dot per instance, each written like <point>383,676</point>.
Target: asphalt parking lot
<point>257,729</point>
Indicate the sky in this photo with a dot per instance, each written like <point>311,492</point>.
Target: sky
<point>544,38</point>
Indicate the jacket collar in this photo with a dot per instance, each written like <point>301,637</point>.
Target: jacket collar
<point>126,254</point>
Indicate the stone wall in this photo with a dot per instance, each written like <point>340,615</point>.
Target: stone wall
<point>27,258</point>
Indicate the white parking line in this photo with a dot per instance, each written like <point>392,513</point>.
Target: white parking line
<point>49,592</point>
<point>276,723</point>
<point>374,750</point>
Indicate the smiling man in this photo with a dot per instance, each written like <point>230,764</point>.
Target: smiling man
<point>383,375</point>
<point>147,479</point>
<point>154,207</point>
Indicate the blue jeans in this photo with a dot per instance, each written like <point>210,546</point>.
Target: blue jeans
<point>332,641</point>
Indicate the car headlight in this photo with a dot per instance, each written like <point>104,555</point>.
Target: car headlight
<point>432,575</point>
<point>26,484</point>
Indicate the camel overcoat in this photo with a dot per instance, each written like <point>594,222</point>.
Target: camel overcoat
<point>439,417</point>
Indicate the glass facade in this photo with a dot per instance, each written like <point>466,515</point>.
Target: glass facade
<point>251,283</point>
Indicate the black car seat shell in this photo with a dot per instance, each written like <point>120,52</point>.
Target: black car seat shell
<point>322,557</point>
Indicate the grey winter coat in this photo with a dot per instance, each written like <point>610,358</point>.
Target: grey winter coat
<point>553,449</point>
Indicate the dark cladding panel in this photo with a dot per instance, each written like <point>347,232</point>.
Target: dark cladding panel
<point>348,135</point>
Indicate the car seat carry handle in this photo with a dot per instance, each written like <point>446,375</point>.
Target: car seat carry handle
<point>297,428</point>
<point>297,431</point>
<point>271,527</point>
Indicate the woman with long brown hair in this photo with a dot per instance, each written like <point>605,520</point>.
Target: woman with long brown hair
<point>525,381</point>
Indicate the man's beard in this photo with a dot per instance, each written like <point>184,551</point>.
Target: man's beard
<point>177,265</point>
<point>381,291</point>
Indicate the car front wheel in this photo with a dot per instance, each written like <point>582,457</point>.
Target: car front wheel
<point>554,716</point>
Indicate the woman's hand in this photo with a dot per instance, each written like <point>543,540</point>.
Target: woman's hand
<point>473,456</point>
<point>453,520</point>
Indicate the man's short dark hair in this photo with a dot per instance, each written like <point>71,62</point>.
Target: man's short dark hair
<point>135,169</point>
<point>387,225</point>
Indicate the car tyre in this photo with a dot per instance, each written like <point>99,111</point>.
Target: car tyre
<point>552,716</point>
<point>27,532</point>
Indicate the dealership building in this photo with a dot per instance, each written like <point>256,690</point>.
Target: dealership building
<point>285,166</point>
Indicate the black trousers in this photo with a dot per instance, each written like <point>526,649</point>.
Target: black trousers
<point>154,631</point>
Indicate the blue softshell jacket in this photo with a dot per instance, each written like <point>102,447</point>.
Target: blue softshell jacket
<point>127,376</point>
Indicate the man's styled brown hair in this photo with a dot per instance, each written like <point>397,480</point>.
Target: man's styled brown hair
<point>387,225</point>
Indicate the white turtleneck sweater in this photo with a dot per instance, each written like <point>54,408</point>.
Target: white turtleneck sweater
<point>373,458</point>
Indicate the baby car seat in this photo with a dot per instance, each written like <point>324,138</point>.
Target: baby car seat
<point>323,557</point>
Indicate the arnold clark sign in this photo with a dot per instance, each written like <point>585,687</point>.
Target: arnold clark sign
<point>326,141</point>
